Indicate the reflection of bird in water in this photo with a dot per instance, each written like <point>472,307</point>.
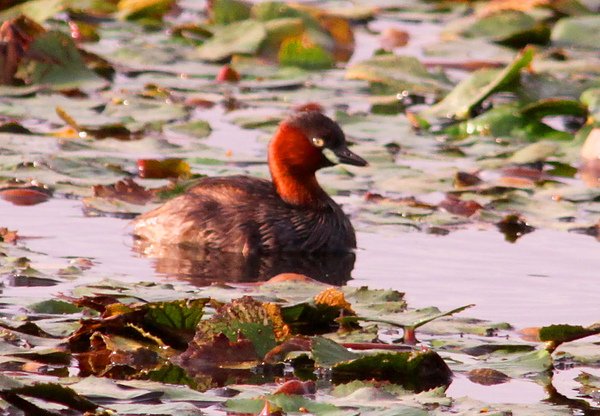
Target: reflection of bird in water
<point>256,218</point>
<point>202,267</point>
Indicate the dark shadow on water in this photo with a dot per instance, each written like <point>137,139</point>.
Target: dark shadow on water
<point>203,267</point>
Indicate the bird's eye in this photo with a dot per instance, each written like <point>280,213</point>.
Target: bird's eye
<point>318,142</point>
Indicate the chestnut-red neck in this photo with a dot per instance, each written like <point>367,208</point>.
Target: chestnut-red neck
<point>293,161</point>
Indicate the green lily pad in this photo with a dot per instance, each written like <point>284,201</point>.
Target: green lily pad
<point>326,352</point>
<point>555,335</point>
<point>579,31</point>
<point>53,306</point>
<point>294,53</point>
<point>48,392</point>
<point>507,121</point>
<point>144,9</point>
<point>225,12</point>
<point>243,37</point>
<point>399,73</point>
<point>473,90</point>
<point>197,129</point>
<point>414,370</point>
<point>38,10</point>
<point>509,27</point>
<point>63,66</point>
<point>591,98</point>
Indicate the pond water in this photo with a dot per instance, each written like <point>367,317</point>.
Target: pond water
<point>545,277</point>
<point>548,276</point>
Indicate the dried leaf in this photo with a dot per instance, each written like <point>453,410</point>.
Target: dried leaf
<point>125,190</point>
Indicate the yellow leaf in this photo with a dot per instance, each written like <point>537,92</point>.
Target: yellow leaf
<point>335,298</point>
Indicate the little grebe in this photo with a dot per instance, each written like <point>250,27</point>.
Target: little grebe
<point>250,215</point>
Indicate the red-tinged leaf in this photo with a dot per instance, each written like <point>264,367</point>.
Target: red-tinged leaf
<point>531,334</point>
<point>465,179</point>
<point>97,303</point>
<point>516,182</point>
<point>487,376</point>
<point>160,169</point>
<point>125,190</point>
<point>228,74</point>
<point>393,38</point>
<point>24,196</point>
<point>199,102</point>
<point>456,206</point>
<point>8,236</point>
<point>279,353</point>
<point>525,173</point>
<point>472,65</point>
<point>16,35</point>
<point>297,387</point>
<point>261,323</point>
<point>220,352</point>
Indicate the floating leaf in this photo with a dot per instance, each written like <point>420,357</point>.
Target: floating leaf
<point>534,152</point>
<point>591,98</point>
<point>227,74</point>
<point>24,196</point>
<point>554,335</point>
<point>224,12</point>
<point>398,74</point>
<point>487,376</point>
<point>8,236</point>
<point>166,168</point>
<point>326,352</point>
<point>16,35</point>
<point>60,64</point>
<point>578,31</point>
<point>126,190</point>
<point>38,10</point>
<point>49,392</point>
<point>419,371</point>
<point>53,306</point>
<point>509,27</point>
<point>260,324</point>
<point>294,52</point>
<point>243,37</point>
<point>144,9</point>
<point>507,121</point>
<point>473,90</point>
<point>554,107</point>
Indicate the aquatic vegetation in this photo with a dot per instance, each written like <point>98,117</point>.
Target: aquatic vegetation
<point>479,115</point>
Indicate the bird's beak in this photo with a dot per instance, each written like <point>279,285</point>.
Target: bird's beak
<point>342,154</point>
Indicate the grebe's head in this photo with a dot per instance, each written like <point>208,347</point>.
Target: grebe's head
<point>309,140</point>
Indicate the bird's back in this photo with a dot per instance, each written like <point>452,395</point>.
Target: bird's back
<point>244,214</point>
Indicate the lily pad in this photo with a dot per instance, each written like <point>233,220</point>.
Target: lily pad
<point>62,66</point>
<point>578,31</point>
<point>398,74</point>
<point>511,27</point>
<point>473,90</point>
<point>243,37</point>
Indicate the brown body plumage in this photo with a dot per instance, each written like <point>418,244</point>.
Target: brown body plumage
<point>250,215</point>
